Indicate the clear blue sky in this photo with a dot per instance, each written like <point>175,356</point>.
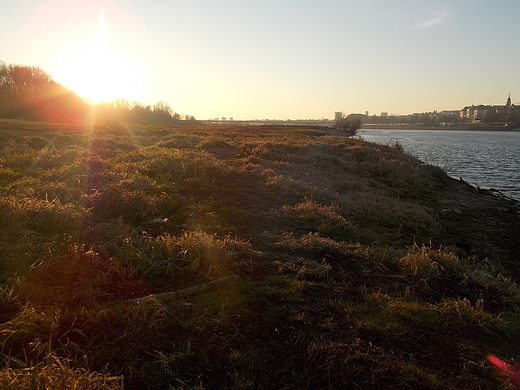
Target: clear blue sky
<point>274,58</point>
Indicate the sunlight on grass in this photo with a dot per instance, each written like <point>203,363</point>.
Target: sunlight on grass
<point>57,375</point>
<point>343,273</point>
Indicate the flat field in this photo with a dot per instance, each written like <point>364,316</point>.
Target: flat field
<point>358,266</point>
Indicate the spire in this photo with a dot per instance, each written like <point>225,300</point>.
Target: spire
<point>508,103</point>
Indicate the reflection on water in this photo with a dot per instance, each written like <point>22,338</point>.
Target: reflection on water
<point>489,159</point>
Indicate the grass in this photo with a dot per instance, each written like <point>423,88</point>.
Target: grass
<point>57,374</point>
<point>355,270</point>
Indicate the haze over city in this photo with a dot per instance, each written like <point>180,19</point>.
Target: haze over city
<point>283,59</point>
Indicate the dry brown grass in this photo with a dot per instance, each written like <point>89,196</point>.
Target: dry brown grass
<point>57,374</point>
<point>341,248</point>
<point>425,261</point>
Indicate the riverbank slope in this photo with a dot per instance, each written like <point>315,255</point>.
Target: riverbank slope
<point>358,266</point>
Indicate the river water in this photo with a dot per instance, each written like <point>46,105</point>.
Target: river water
<point>489,159</point>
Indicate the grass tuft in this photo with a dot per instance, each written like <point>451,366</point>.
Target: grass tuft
<point>58,374</point>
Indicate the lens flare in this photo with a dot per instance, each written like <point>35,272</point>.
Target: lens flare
<point>99,72</point>
<point>507,370</point>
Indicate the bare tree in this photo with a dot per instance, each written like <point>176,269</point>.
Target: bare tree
<point>29,92</point>
<point>162,108</point>
<point>349,124</point>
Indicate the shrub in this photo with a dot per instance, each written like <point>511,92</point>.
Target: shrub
<point>425,261</point>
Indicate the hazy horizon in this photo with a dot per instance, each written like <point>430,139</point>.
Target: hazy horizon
<point>276,60</point>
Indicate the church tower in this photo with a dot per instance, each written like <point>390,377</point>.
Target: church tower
<point>508,102</point>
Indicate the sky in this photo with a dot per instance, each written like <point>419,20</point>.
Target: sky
<point>273,59</point>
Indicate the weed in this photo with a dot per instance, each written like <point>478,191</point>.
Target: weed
<point>426,261</point>
<point>311,215</point>
<point>305,268</point>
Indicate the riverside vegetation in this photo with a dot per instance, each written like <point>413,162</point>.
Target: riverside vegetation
<point>359,266</point>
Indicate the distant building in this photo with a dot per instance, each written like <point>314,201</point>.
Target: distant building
<point>475,113</point>
<point>361,117</point>
<point>487,113</point>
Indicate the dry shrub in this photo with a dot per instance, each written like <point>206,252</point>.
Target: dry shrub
<point>303,268</point>
<point>283,183</point>
<point>246,260</point>
<point>389,216</point>
<point>313,243</point>
<point>200,253</point>
<point>180,164</point>
<point>117,201</point>
<point>40,215</point>
<point>176,142</point>
<point>139,251</point>
<point>218,147</point>
<point>277,150</point>
<point>57,190</point>
<point>29,331</point>
<point>360,364</point>
<point>425,261</point>
<point>150,312</point>
<point>9,305</point>
<point>461,312</point>
<point>194,252</point>
<point>8,175</point>
<point>79,279</point>
<point>311,214</point>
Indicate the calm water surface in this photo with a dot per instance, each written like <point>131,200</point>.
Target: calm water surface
<point>489,159</point>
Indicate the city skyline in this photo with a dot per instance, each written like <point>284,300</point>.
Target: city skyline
<point>278,60</point>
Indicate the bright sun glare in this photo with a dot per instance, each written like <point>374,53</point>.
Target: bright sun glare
<point>97,72</point>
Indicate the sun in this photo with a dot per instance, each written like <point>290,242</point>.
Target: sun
<point>98,72</point>
<point>99,75</point>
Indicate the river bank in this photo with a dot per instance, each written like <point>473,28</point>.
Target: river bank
<point>354,264</point>
<point>488,159</point>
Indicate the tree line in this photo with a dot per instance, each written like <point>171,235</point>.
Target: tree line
<point>28,92</point>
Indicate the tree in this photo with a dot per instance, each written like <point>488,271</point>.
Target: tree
<point>163,109</point>
<point>29,92</point>
<point>349,124</point>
